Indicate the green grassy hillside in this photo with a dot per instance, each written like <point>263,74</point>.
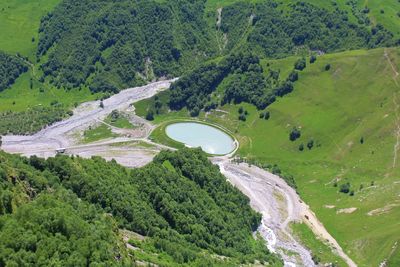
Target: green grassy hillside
<point>351,114</point>
<point>357,99</point>
<point>19,24</point>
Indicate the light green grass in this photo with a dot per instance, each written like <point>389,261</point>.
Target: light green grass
<point>389,18</point>
<point>20,97</point>
<point>318,248</point>
<point>19,22</point>
<point>98,133</point>
<point>335,108</point>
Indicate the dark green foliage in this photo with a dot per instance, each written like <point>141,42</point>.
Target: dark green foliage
<point>345,188</point>
<point>192,90</point>
<point>246,84</point>
<point>115,115</point>
<point>42,223</point>
<point>265,115</point>
<point>300,64</point>
<point>327,67</point>
<point>31,120</point>
<point>293,76</point>
<point>278,33</point>
<point>242,117</point>
<point>58,228</point>
<point>310,144</point>
<point>122,43</point>
<point>180,201</point>
<point>316,259</point>
<point>362,140</point>
<point>11,67</point>
<point>294,134</point>
<point>313,58</point>
<point>301,147</point>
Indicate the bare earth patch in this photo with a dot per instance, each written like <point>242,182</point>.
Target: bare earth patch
<point>347,210</point>
<point>382,210</point>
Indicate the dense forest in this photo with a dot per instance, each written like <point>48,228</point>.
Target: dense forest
<point>120,44</point>
<point>275,32</point>
<point>11,67</point>
<point>246,83</point>
<point>67,210</point>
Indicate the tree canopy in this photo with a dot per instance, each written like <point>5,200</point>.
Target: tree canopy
<point>68,210</point>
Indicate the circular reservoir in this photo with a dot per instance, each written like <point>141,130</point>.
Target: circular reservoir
<point>210,139</point>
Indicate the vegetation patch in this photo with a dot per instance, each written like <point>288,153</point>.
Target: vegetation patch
<point>321,252</point>
<point>119,120</point>
<point>98,133</point>
<point>31,120</point>
<point>180,202</point>
<point>10,69</point>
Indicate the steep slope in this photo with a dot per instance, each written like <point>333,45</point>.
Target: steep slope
<point>69,210</point>
<point>345,108</point>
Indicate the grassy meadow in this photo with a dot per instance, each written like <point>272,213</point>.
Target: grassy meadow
<point>19,24</point>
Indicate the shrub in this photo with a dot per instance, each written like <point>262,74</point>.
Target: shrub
<point>294,134</point>
<point>301,147</point>
<point>266,115</point>
<point>293,76</point>
<point>327,67</point>
<point>310,144</point>
<point>300,64</point>
<point>150,115</point>
<point>345,188</point>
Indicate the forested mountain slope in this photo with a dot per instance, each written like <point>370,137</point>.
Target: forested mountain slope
<point>180,202</point>
<point>124,43</point>
<point>84,50</point>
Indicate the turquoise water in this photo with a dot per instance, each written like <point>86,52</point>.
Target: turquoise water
<point>210,139</point>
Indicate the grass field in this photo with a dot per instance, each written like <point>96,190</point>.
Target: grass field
<point>358,98</point>
<point>320,250</point>
<point>19,23</point>
<point>98,133</point>
<point>20,97</point>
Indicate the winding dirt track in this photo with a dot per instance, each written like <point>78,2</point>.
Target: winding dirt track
<point>269,194</point>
